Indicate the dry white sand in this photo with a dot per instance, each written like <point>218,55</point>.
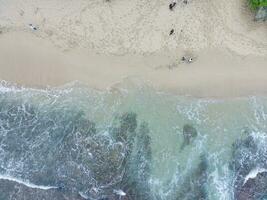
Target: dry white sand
<point>103,43</point>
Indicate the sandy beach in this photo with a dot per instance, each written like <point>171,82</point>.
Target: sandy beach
<point>103,44</point>
<point>132,100</point>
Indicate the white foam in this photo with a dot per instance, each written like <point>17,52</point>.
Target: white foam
<point>253,174</point>
<point>6,87</point>
<point>26,183</point>
<point>260,139</point>
<point>220,184</point>
<point>259,110</point>
<point>119,192</point>
<point>194,111</point>
<point>83,195</point>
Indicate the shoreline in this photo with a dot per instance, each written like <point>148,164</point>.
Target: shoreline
<point>105,44</point>
<point>214,73</point>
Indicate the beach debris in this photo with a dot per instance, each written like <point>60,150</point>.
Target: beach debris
<point>185,1</point>
<point>171,32</point>
<point>172,5</point>
<point>34,28</point>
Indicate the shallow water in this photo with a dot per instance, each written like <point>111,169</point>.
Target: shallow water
<point>128,143</point>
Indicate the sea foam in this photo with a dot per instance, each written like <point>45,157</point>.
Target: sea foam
<point>253,173</point>
<point>26,183</point>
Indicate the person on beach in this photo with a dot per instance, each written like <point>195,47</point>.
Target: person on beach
<point>172,5</point>
<point>32,27</point>
<point>171,32</point>
<point>190,60</point>
<point>187,60</point>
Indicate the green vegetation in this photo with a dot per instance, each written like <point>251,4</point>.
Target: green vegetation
<point>255,4</point>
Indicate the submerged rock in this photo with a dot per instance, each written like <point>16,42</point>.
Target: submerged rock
<point>194,184</point>
<point>189,133</point>
<point>249,165</point>
<point>58,147</point>
<point>135,181</point>
<point>62,148</point>
<point>127,127</point>
<point>128,122</point>
<point>254,188</point>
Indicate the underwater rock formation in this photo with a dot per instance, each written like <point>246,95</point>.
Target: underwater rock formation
<point>136,167</point>
<point>189,134</point>
<point>193,186</point>
<point>64,149</point>
<point>250,189</point>
<point>249,165</point>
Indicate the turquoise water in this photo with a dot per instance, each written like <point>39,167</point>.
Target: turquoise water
<point>127,144</point>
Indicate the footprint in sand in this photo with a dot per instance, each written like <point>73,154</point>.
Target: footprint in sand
<point>1,29</point>
<point>21,13</point>
<point>49,32</point>
<point>36,10</point>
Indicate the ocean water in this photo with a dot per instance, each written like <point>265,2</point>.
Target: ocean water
<point>73,142</point>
